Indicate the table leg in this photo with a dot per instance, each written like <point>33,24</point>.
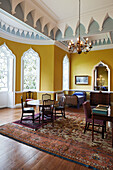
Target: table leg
<point>92,128</point>
<point>112,134</point>
<point>42,116</point>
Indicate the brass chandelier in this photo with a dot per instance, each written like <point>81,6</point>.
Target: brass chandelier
<point>79,46</point>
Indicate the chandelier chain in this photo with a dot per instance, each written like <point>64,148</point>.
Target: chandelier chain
<point>80,46</point>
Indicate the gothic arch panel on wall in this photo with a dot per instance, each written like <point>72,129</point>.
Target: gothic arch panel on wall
<point>52,34</point>
<point>38,25</point>
<point>93,28</point>
<point>46,30</point>
<point>68,32</point>
<point>108,24</point>
<point>58,35</point>
<point>19,12</point>
<point>82,30</point>
<point>29,19</point>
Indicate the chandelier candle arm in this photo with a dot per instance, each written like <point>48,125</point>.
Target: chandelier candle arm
<point>79,46</point>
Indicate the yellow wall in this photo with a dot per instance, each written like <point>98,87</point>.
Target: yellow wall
<point>83,64</point>
<point>46,54</point>
<point>59,55</point>
<point>51,62</point>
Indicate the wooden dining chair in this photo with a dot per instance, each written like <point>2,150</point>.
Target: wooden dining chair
<point>45,96</point>
<point>60,107</point>
<point>47,111</point>
<point>27,113</point>
<point>29,97</point>
<point>88,117</point>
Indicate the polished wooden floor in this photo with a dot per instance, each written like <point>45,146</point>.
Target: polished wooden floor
<point>17,156</point>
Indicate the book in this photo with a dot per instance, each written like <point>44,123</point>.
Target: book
<point>102,106</point>
<point>100,110</point>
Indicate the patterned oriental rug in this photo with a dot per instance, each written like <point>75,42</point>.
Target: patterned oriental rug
<point>66,140</point>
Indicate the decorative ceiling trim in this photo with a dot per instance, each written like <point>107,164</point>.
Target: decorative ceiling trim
<point>24,40</point>
<point>15,38</point>
<point>60,45</point>
<point>102,47</point>
<point>11,17</point>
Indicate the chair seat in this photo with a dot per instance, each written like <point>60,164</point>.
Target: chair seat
<point>88,115</point>
<point>100,122</point>
<point>59,107</point>
<point>47,111</point>
<point>28,109</point>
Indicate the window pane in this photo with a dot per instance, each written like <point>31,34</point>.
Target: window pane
<point>6,65</point>
<point>65,73</point>
<point>3,68</point>
<point>31,70</point>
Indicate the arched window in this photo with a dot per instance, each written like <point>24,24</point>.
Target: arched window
<point>66,73</point>
<point>30,70</point>
<point>7,77</point>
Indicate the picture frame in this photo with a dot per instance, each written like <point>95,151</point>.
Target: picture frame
<point>81,80</point>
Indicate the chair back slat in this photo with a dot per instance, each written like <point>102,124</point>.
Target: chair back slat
<point>46,96</point>
<point>29,95</point>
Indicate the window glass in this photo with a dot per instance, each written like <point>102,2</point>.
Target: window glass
<point>31,70</point>
<point>5,58</point>
<point>65,73</point>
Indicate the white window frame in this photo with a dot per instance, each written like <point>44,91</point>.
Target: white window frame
<point>66,61</point>
<point>7,97</point>
<point>22,71</point>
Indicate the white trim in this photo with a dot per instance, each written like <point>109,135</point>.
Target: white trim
<point>60,45</point>
<point>3,106</point>
<point>100,47</point>
<point>59,91</point>
<point>23,40</point>
<point>18,105</point>
<point>91,91</point>
<point>17,92</point>
<point>22,23</point>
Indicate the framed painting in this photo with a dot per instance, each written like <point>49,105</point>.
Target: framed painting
<point>81,80</point>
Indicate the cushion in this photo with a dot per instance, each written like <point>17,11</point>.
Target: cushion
<point>28,100</point>
<point>78,93</point>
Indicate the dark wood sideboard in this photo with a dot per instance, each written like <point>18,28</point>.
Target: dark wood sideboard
<point>99,98</point>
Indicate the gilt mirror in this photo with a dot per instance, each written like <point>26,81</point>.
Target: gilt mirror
<point>101,77</point>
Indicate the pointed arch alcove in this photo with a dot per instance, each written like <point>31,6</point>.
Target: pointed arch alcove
<point>101,77</point>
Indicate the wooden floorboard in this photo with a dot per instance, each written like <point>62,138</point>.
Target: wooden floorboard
<point>17,156</point>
